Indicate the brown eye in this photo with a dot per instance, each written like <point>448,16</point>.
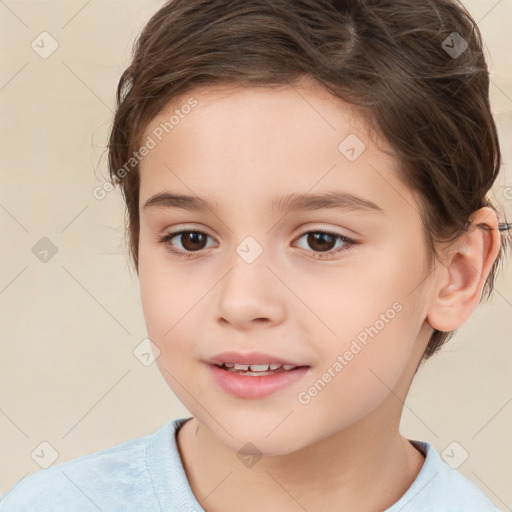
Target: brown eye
<point>324,242</point>
<point>192,240</point>
<point>320,241</point>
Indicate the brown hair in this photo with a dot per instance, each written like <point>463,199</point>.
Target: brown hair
<point>397,61</point>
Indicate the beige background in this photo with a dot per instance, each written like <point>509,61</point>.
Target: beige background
<point>68,375</point>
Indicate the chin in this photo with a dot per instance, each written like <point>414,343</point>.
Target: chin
<point>247,437</point>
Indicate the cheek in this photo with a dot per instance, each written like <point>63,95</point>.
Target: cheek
<point>370,320</point>
<point>168,302</point>
<point>348,299</point>
<point>360,366</point>
<point>174,304</point>
<point>164,297</point>
<point>163,287</point>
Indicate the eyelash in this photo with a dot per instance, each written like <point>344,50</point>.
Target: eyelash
<point>349,243</point>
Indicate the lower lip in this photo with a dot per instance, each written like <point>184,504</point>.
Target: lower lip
<point>252,388</point>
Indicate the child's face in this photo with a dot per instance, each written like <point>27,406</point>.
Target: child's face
<point>241,149</point>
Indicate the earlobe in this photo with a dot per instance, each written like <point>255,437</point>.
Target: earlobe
<point>460,281</point>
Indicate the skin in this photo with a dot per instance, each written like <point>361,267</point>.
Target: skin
<point>343,450</point>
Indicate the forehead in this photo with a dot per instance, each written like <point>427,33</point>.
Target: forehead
<point>244,144</point>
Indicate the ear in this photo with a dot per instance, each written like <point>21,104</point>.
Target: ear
<point>460,280</point>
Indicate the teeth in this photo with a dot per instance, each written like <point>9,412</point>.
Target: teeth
<point>258,367</point>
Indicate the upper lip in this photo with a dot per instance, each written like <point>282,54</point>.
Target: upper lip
<point>249,358</point>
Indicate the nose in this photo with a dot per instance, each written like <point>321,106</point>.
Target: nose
<point>250,295</point>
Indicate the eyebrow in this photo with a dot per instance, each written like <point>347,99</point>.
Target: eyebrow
<point>343,201</point>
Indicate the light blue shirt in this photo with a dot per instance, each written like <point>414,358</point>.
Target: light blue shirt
<point>146,474</point>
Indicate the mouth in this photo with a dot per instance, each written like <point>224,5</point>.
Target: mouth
<point>256,381</point>
<point>258,370</point>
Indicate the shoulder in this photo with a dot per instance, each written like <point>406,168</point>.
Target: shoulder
<point>441,488</point>
<point>459,493</point>
<point>113,479</point>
